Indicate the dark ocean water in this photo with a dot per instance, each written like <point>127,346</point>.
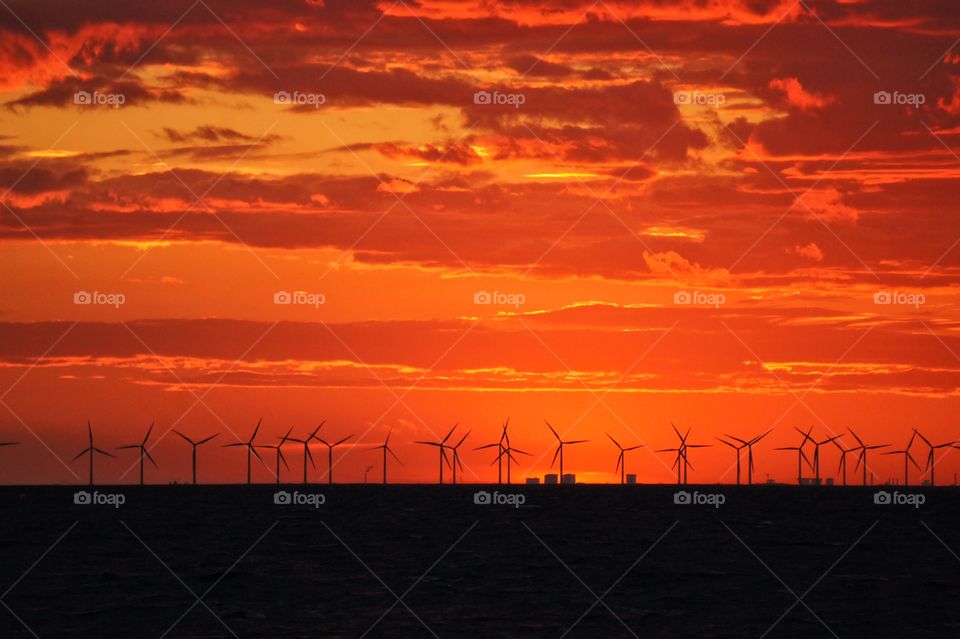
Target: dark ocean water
<point>425,561</point>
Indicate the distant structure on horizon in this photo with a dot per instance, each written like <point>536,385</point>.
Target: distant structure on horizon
<point>533,481</point>
<point>550,478</point>
<point>568,478</point>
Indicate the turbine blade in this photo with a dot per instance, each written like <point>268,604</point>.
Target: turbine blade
<point>256,430</point>
<point>343,440</point>
<point>150,457</point>
<point>552,430</point>
<point>103,452</point>
<point>81,454</point>
<point>206,439</point>
<point>444,440</point>
<point>856,437</point>
<point>183,436</point>
<point>615,442</point>
<point>555,455</point>
<point>149,430</point>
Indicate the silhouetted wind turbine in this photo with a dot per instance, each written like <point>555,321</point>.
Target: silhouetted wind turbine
<point>682,463</point>
<point>737,450</point>
<point>931,460</point>
<point>442,446</point>
<point>749,443</point>
<point>816,451</point>
<point>194,444</point>
<point>842,468</point>
<point>621,461</point>
<point>801,456</point>
<point>907,459</point>
<point>560,445</point>
<point>456,456</point>
<point>279,448</point>
<point>307,455</point>
<point>385,447</point>
<point>862,457</point>
<point>251,448</point>
<point>499,460</point>
<point>330,448</point>
<point>142,447</point>
<point>91,449</point>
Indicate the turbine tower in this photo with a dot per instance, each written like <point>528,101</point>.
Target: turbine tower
<point>91,449</point>
<point>442,447</point>
<point>279,448</point>
<point>749,443</point>
<point>385,447</point>
<point>907,459</point>
<point>560,445</point>
<point>621,461</point>
<point>307,455</point>
<point>330,447</point>
<point>251,449</point>
<point>144,453</point>
<point>931,455</point>
<point>194,444</point>
<point>862,457</point>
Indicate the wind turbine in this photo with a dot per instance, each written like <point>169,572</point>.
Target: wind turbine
<point>194,444</point>
<point>749,443</point>
<point>931,460</point>
<point>499,445</point>
<point>91,449</point>
<point>142,447</point>
<point>330,448</point>
<point>456,456</point>
<point>801,456</point>
<point>862,457</point>
<point>842,468</point>
<point>682,463</point>
<point>621,462</point>
<point>306,449</point>
<point>737,450</point>
<point>279,448</point>
<point>251,448</point>
<point>816,451</point>
<point>560,445</point>
<point>442,446</point>
<point>385,446</point>
<point>907,457</point>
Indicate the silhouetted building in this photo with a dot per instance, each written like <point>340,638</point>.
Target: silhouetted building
<point>550,479</point>
<point>631,478</point>
<point>569,478</point>
<point>533,480</point>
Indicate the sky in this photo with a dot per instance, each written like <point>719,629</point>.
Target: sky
<point>394,217</point>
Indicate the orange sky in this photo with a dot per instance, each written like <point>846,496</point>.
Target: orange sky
<point>731,215</point>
